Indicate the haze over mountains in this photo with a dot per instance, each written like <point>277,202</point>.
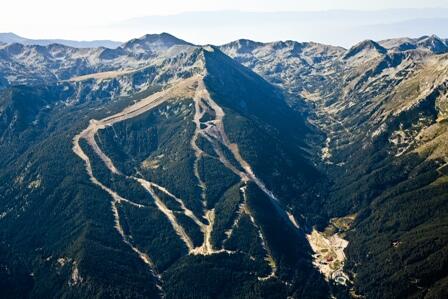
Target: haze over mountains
<point>335,27</point>
<point>162,168</point>
<point>10,38</point>
<point>340,27</point>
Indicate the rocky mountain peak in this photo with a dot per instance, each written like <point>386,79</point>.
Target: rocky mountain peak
<point>365,47</point>
<point>433,43</point>
<point>242,46</point>
<point>154,42</point>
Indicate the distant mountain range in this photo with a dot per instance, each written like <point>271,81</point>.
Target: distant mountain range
<point>335,27</point>
<point>9,38</point>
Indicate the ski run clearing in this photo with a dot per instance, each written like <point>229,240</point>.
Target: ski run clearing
<point>213,131</point>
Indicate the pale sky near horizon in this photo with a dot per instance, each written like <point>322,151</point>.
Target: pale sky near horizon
<point>89,19</point>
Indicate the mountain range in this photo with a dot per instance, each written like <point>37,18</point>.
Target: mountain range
<point>335,27</point>
<point>161,168</point>
<point>11,38</point>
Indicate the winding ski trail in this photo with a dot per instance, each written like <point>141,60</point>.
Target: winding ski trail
<point>214,132</point>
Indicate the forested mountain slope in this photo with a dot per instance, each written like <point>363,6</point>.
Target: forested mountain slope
<point>249,170</point>
<point>382,108</point>
<point>156,176</point>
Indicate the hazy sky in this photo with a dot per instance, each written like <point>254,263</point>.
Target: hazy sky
<point>92,19</point>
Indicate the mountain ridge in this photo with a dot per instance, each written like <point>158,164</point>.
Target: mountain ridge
<point>10,38</point>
